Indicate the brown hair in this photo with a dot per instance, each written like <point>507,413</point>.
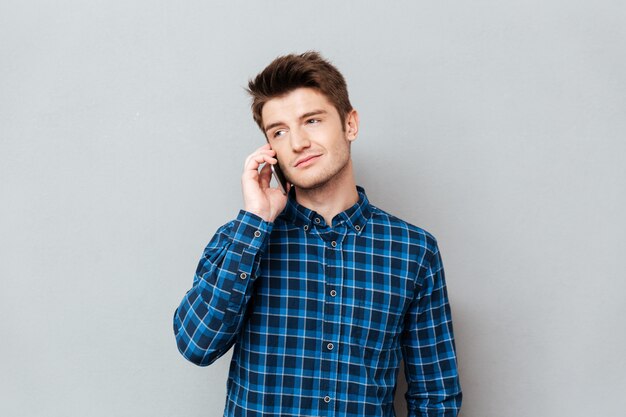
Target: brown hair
<point>289,72</point>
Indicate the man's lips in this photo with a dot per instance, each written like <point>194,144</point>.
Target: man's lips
<point>304,161</point>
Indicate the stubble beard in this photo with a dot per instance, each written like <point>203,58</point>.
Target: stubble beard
<point>325,178</point>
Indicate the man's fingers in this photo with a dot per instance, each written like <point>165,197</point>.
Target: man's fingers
<point>265,176</point>
<point>255,160</point>
<point>263,150</point>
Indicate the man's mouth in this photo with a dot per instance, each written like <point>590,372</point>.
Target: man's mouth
<point>306,161</point>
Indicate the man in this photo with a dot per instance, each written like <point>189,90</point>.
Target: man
<point>321,293</point>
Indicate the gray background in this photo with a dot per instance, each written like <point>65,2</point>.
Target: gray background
<point>497,126</point>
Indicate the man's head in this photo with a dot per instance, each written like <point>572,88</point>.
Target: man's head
<point>301,104</point>
<point>290,72</point>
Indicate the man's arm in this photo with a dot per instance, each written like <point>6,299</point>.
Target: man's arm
<point>428,346</point>
<point>210,315</point>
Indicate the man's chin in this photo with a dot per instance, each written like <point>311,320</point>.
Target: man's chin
<point>310,183</point>
<point>308,186</point>
<point>321,180</point>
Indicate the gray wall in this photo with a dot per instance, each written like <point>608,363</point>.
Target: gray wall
<point>498,126</point>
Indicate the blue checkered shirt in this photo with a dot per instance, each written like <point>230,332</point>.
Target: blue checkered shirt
<point>321,316</point>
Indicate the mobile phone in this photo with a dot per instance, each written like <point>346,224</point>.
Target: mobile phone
<point>280,178</point>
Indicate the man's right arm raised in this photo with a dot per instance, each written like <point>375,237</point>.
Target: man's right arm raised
<point>208,319</point>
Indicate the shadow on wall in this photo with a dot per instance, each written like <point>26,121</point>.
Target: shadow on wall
<point>401,387</point>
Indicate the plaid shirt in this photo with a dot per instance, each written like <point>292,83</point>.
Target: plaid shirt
<point>321,316</point>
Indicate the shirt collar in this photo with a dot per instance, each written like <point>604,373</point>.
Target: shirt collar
<point>355,217</point>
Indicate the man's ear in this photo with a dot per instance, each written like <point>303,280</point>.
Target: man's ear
<point>352,125</point>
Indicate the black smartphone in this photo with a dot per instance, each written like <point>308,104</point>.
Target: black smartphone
<point>280,178</point>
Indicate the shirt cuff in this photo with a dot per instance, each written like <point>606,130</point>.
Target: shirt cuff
<point>250,231</point>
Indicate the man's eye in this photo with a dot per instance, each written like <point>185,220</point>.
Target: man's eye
<point>279,133</point>
<point>313,121</point>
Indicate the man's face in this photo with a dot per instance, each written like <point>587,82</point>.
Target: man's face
<point>305,130</point>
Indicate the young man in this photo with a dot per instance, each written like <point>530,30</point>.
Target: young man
<point>322,293</point>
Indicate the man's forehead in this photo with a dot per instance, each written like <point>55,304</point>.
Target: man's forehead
<point>294,105</point>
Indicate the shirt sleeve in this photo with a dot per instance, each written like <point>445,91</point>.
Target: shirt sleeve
<point>428,346</point>
<point>210,315</point>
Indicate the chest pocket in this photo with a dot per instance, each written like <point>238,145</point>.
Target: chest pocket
<point>379,306</point>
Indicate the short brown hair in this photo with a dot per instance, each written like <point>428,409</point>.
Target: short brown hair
<point>289,72</point>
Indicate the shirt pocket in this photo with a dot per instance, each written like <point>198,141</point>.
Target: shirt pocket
<point>378,314</point>
<point>375,371</point>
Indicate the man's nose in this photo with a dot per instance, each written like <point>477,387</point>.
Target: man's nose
<point>299,140</point>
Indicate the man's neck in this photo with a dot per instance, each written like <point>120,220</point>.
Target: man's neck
<point>332,198</point>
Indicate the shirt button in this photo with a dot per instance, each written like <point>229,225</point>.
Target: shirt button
<point>327,399</point>
<point>333,244</point>
<point>357,227</point>
<point>257,234</point>
<point>243,275</point>
<point>306,227</point>
<point>333,293</point>
<point>330,346</point>
<point>317,220</point>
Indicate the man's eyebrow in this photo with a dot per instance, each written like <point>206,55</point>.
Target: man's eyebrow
<point>304,116</point>
<point>272,125</point>
<point>313,113</point>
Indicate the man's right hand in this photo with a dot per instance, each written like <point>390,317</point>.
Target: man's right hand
<point>258,197</point>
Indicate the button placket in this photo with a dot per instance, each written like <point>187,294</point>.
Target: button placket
<point>333,275</point>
